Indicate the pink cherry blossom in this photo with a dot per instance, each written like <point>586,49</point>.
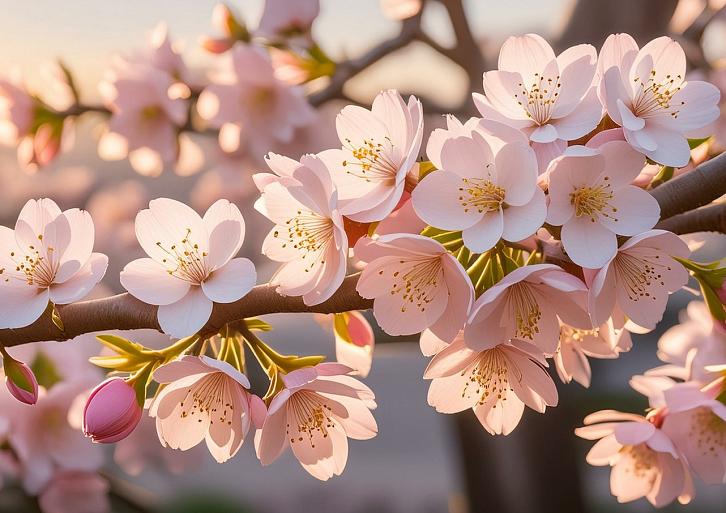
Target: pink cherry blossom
<point>415,284</point>
<point>111,412</point>
<point>644,461</point>
<point>496,383</point>
<point>592,199</point>
<point>380,148</point>
<point>354,342</point>
<point>75,492</point>
<point>204,399</point>
<point>224,20</point>
<point>430,344</point>
<point>696,421</point>
<point>639,278</point>
<point>645,91</point>
<point>527,304</point>
<point>249,105</point>
<point>489,196</point>
<point>17,111</point>
<point>284,19</point>
<point>315,414</point>
<point>190,264</point>
<point>308,237</point>
<point>692,346</point>
<point>552,99</point>
<point>48,257</point>
<point>577,344</point>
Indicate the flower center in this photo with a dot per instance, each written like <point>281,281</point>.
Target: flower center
<point>643,461</point>
<point>539,99</point>
<point>311,415</point>
<point>150,112</point>
<point>480,194</point>
<point>36,266</point>
<point>416,284</point>
<point>652,97</point>
<point>209,397</point>
<point>593,201</point>
<point>489,377</point>
<point>638,273</point>
<point>371,161</point>
<point>525,310</point>
<point>185,260</point>
<point>307,232</point>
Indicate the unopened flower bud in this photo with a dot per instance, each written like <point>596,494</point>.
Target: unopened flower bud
<point>111,412</point>
<point>20,380</point>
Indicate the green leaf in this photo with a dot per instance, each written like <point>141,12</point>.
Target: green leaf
<point>45,370</point>
<point>712,301</point>
<point>121,345</point>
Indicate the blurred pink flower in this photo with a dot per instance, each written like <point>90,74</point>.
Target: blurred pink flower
<point>527,305</point>
<point>489,196</point>
<point>552,99</point>
<point>75,492</point>
<point>639,278</point>
<point>644,91</point>
<point>644,461</point>
<point>48,257</point>
<point>224,20</point>
<point>204,399</point>
<point>250,106</point>
<point>111,412</point>
<point>191,264</point>
<point>415,284</point>
<point>113,209</point>
<point>496,382</point>
<point>696,422</point>
<point>315,414</point>
<point>308,237</point>
<point>380,148</point>
<point>17,111</point>
<point>282,19</point>
<point>592,199</point>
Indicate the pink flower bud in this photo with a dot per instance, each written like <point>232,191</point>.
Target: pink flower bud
<point>20,381</point>
<point>111,412</point>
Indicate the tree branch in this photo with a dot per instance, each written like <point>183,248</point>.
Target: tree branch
<point>706,219</point>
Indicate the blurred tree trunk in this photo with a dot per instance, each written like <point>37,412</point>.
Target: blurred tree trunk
<point>593,20</point>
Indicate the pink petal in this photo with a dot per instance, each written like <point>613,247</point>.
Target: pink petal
<point>519,222</point>
<point>588,243</point>
<point>149,281</point>
<point>82,282</point>
<point>230,282</point>
<point>186,316</point>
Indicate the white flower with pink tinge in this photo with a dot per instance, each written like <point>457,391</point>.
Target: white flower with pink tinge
<point>204,399</point>
<point>577,344</point>
<point>644,461</point>
<point>308,237</point>
<point>489,196</point>
<point>284,19</point>
<point>527,305</point>
<point>496,383</point>
<point>249,105</point>
<point>191,264</point>
<point>315,414</point>
<point>552,99</point>
<point>696,422</point>
<point>646,92</point>
<point>415,284</point>
<point>380,148</point>
<point>48,257</point>
<point>592,198</point>
<point>638,279</point>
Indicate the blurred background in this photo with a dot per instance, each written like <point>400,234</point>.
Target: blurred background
<point>421,461</point>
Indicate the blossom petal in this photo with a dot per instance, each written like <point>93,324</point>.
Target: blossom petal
<point>186,316</point>
<point>230,282</point>
<point>149,281</point>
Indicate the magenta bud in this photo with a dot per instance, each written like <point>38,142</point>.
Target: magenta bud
<point>20,380</point>
<point>111,412</point>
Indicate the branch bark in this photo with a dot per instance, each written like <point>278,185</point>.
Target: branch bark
<point>706,219</point>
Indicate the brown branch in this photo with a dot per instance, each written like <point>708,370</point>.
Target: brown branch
<point>694,189</point>
<point>706,219</point>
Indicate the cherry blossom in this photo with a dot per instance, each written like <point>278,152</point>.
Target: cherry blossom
<point>249,105</point>
<point>644,461</point>
<point>315,414</point>
<point>592,199</point>
<point>17,108</point>
<point>232,31</point>
<point>308,237</point>
<point>380,148</point>
<point>415,284</point>
<point>190,264</point>
<point>496,383</point>
<point>47,258</point>
<point>111,412</point>
<point>552,99</point>
<point>488,196</point>
<point>204,399</point>
<point>526,305</point>
<point>696,422</point>
<point>646,92</point>
<point>354,342</point>
<point>577,344</point>
<point>283,19</point>
<point>639,278</point>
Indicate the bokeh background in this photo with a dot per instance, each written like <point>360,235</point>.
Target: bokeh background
<point>421,461</point>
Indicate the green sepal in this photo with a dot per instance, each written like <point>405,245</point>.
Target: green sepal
<point>424,168</point>
<point>695,143</point>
